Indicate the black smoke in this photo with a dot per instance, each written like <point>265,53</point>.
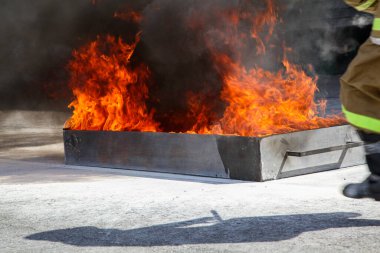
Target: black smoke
<point>36,42</point>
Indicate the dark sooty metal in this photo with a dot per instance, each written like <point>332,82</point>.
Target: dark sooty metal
<point>234,157</point>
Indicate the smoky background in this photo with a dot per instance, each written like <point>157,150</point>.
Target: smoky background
<point>38,37</point>
<point>327,36</point>
<point>36,43</point>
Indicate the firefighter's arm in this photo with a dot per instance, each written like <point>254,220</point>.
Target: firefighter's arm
<point>375,35</point>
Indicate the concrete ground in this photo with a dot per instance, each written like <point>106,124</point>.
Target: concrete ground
<point>46,206</point>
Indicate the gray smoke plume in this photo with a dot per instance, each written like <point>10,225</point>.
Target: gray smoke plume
<point>362,20</point>
<point>325,33</point>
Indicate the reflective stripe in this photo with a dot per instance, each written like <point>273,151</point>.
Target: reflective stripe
<point>362,121</point>
<point>376,24</point>
<point>365,5</point>
<point>375,41</point>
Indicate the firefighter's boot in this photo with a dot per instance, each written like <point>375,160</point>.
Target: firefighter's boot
<point>369,188</point>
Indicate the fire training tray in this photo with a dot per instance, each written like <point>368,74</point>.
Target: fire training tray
<point>220,156</point>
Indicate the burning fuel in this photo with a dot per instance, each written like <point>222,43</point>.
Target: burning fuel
<point>115,89</point>
<point>110,93</point>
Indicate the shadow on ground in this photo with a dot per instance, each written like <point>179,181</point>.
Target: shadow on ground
<point>207,230</point>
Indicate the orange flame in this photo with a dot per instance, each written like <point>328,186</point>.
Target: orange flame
<point>109,93</point>
<point>262,103</point>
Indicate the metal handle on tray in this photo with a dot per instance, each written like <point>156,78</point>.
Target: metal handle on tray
<point>323,167</point>
<point>348,145</point>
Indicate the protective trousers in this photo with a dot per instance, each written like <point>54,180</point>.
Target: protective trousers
<point>360,88</point>
<point>360,85</point>
<point>372,150</point>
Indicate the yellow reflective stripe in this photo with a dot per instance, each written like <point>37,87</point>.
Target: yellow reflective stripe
<point>376,24</point>
<point>365,5</point>
<point>362,121</point>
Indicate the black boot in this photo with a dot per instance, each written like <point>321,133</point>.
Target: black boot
<point>369,188</point>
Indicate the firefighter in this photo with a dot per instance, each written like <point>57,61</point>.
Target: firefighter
<point>360,97</point>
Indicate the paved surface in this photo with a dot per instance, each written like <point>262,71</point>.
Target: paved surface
<point>46,206</point>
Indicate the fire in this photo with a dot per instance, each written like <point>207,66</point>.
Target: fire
<point>202,114</point>
<point>111,93</point>
<point>267,19</point>
<point>262,103</point>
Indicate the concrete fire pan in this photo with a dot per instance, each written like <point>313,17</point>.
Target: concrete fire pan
<point>234,157</point>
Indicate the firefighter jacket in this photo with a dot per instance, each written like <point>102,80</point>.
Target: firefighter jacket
<point>360,85</point>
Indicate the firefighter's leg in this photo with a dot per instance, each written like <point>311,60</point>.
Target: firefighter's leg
<point>372,151</point>
<point>369,188</point>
